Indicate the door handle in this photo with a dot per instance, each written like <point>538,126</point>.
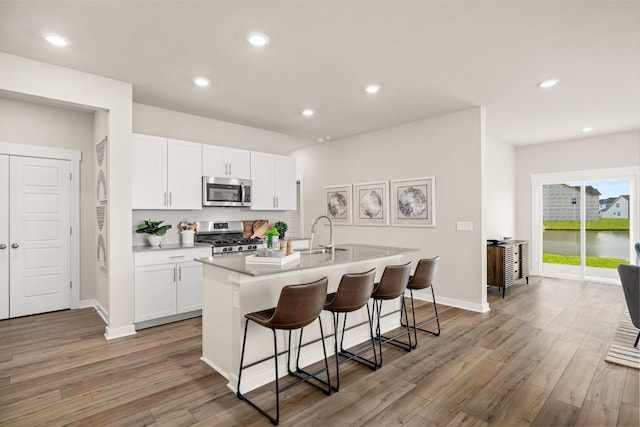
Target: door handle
<point>3,246</point>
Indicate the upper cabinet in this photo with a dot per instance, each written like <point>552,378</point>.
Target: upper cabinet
<point>273,180</point>
<point>225,162</point>
<point>167,173</point>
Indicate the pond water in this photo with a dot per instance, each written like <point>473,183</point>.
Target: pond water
<point>605,244</point>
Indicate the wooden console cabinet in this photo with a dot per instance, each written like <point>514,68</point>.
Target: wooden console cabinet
<point>507,262</point>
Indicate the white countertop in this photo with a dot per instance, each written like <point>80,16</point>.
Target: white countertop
<point>343,254</point>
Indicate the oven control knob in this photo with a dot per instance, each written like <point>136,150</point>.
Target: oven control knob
<point>239,248</point>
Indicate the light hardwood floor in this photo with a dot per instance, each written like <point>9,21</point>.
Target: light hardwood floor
<point>537,358</point>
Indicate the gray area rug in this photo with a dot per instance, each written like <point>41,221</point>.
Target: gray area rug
<point>621,350</point>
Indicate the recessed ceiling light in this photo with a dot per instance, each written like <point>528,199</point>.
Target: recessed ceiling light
<point>321,139</point>
<point>548,83</point>
<point>56,39</point>
<point>587,129</point>
<point>258,39</point>
<point>201,81</point>
<point>308,112</point>
<point>372,89</point>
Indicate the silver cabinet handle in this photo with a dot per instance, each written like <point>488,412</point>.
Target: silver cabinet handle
<point>165,199</point>
<point>3,246</point>
<point>179,274</point>
<point>174,274</point>
<point>229,169</point>
<point>15,246</point>
<point>170,199</point>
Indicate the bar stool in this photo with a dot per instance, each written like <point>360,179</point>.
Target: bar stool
<point>298,306</point>
<point>392,285</point>
<point>423,278</point>
<point>353,293</point>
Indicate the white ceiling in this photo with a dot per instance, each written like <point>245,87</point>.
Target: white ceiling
<point>430,57</point>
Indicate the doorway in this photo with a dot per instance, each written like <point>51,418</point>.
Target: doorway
<point>584,223</point>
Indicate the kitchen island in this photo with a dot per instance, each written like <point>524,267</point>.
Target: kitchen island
<point>233,288</point>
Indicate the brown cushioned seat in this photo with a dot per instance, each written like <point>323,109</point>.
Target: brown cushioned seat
<point>354,292</point>
<point>423,278</point>
<point>298,306</point>
<point>391,286</point>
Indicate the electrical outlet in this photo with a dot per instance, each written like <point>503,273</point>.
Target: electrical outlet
<point>235,299</point>
<point>464,226</point>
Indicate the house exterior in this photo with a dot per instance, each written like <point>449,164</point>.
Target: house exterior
<point>562,203</point>
<point>617,208</point>
<point>604,203</point>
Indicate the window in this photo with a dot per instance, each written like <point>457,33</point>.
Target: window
<point>574,200</point>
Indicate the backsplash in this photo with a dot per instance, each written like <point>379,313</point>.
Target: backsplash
<point>206,214</point>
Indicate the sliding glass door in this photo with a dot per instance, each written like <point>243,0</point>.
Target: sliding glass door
<point>584,226</point>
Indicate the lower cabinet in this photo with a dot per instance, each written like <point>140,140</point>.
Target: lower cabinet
<point>167,283</point>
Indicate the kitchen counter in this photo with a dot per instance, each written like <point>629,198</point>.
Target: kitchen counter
<point>232,288</point>
<point>343,254</point>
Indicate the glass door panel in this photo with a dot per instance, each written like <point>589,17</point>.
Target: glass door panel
<point>585,228</point>
<point>607,238</point>
<point>561,236</point>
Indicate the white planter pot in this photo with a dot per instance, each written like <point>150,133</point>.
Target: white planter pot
<point>154,240</point>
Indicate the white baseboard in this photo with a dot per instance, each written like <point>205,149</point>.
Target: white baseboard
<point>451,302</point>
<point>122,331</point>
<point>97,306</point>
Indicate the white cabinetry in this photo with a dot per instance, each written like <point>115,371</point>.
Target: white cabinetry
<point>166,173</point>
<point>167,283</point>
<point>225,162</point>
<point>273,180</point>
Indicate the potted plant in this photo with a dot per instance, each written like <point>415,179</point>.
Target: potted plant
<point>282,227</point>
<point>271,236</point>
<point>154,230</point>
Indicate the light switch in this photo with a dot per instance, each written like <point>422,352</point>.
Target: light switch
<point>464,226</point>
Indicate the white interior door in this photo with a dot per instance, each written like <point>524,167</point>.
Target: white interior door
<point>4,237</point>
<point>40,243</point>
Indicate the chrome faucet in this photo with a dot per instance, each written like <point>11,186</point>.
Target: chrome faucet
<point>315,226</point>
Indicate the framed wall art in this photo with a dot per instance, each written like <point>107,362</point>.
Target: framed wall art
<point>337,203</point>
<point>413,202</point>
<point>371,203</point>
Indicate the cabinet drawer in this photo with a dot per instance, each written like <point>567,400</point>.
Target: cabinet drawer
<point>170,256</point>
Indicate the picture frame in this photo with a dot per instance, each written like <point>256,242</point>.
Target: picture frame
<point>337,203</point>
<point>371,204</point>
<point>413,202</point>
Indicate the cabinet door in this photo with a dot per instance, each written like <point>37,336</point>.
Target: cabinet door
<point>4,237</point>
<point>155,292</point>
<point>239,163</point>
<point>213,161</point>
<point>285,183</point>
<point>184,170</point>
<point>189,288</point>
<point>262,181</point>
<point>149,174</point>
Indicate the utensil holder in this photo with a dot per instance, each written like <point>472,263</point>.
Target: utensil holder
<point>187,237</point>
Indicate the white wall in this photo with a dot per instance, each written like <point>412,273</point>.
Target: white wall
<point>500,192</point>
<point>173,124</point>
<point>598,152</point>
<point>60,128</point>
<point>450,147</point>
<point>38,79</point>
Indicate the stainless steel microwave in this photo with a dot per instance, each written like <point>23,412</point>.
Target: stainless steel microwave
<point>226,192</point>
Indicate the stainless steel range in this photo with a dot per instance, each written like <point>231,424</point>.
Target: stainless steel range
<point>226,237</point>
